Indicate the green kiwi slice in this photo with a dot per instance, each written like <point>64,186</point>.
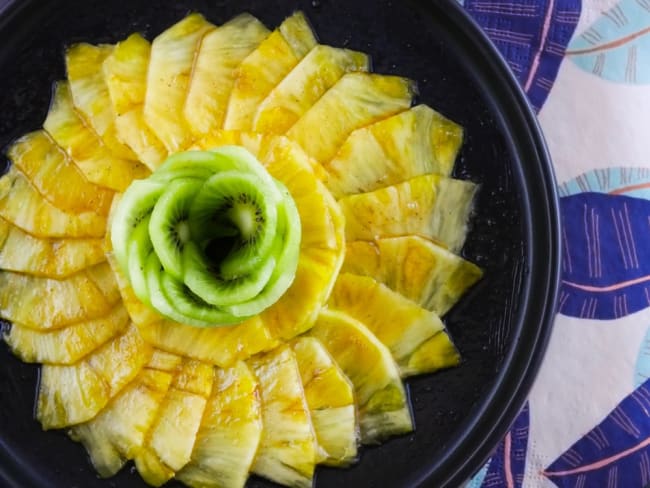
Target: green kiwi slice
<point>286,250</point>
<point>240,206</point>
<point>139,248</point>
<point>169,228</point>
<point>202,277</point>
<point>137,202</point>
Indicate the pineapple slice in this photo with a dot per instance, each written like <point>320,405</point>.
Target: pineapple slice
<point>24,207</point>
<point>117,432</point>
<point>48,258</point>
<point>73,394</point>
<point>287,451</point>
<point>378,389</point>
<point>90,93</point>
<point>57,178</point>
<point>356,100</point>
<point>67,345</point>
<point>316,73</point>
<point>229,434</point>
<point>422,271</point>
<point>400,324</point>
<point>170,440</point>
<point>330,398</point>
<point>213,75</point>
<point>415,142</point>
<point>125,73</point>
<point>168,79</point>
<point>265,67</point>
<point>430,206</point>
<point>44,303</point>
<point>95,160</point>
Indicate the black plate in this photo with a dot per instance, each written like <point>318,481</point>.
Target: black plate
<point>503,325</point>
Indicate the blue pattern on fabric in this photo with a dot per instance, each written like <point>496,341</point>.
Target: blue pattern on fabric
<point>617,46</point>
<point>605,263</point>
<point>614,453</point>
<point>532,35</point>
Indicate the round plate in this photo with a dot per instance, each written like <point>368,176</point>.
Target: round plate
<point>501,327</point>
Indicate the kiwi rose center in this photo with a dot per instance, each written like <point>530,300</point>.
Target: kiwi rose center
<point>209,239</point>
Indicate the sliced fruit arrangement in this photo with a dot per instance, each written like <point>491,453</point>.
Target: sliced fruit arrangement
<point>228,246</point>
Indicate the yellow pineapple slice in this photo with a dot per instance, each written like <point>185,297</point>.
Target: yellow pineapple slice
<point>229,434</point>
<point>400,324</point>
<point>170,440</point>
<point>265,67</point>
<point>73,394</point>
<point>69,344</point>
<point>117,433</point>
<point>356,100</point>
<point>125,73</point>
<point>48,258</point>
<point>168,79</point>
<point>430,206</point>
<point>23,206</point>
<point>378,389</point>
<point>213,75</point>
<point>422,271</point>
<point>95,160</point>
<point>316,73</point>
<point>44,303</point>
<point>57,178</point>
<point>415,142</point>
<point>330,398</point>
<point>90,93</point>
<point>287,451</point>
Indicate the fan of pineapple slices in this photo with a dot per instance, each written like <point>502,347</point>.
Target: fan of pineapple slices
<point>315,375</point>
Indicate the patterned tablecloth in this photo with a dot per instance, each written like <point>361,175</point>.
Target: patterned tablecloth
<point>586,69</point>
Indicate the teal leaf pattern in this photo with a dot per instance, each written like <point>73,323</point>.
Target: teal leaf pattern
<point>642,369</point>
<point>617,46</point>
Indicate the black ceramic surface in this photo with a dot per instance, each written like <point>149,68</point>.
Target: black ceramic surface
<point>501,327</point>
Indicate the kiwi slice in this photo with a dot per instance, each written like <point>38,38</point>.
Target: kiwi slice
<point>239,206</point>
<point>136,203</point>
<point>193,164</point>
<point>139,248</point>
<point>202,277</point>
<point>286,250</point>
<point>169,229</point>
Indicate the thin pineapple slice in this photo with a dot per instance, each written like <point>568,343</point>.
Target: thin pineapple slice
<point>48,258</point>
<point>73,394</point>
<point>430,206</point>
<point>415,142</point>
<point>378,389</point>
<point>117,432</point>
<point>400,324</point>
<point>90,93</point>
<point>125,73</point>
<point>356,100</point>
<point>213,75</point>
<point>170,440</point>
<point>22,205</point>
<point>67,345</point>
<point>57,178</point>
<point>229,434</point>
<point>316,73</point>
<point>265,67</point>
<point>168,79</point>
<point>44,303</point>
<point>422,271</point>
<point>287,451</point>
<point>330,398</point>
<point>95,160</point>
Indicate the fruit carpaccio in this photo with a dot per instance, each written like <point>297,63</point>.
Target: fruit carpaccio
<point>319,369</point>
